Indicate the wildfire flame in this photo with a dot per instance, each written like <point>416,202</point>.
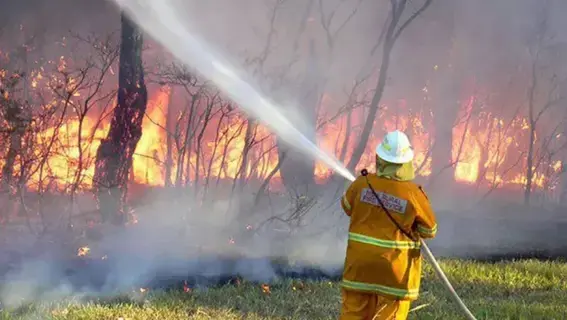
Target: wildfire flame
<point>266,289</point>
<point>482,150</point>
<point>83,251</point>
<point>186,287</point>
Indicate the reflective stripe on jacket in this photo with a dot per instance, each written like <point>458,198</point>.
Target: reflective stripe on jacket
<point>380,258</point>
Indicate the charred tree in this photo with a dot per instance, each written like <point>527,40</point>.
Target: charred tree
<point>446,87</point>
<point>563,177</point>
<point>532,127</point>
<point>249,140</point>
<point>114,155</point>
<point>445,116</point>
<point>169,128</point>
<point>17,121</point>
<point>16,112</point>
<point>544,91</point>
<point>297,170</point>
<point>394,29</point>
<point>563,168</point>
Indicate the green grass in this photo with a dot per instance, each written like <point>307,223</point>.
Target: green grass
<point>513,290</point>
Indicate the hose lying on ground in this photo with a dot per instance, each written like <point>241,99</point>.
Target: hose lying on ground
<point>431,259</point>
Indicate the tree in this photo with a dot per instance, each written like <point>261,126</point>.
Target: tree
<point>446,84</point>
<point>297,171</point>
<point>114,156</point>
<point>394,28</point>
<point>563,176</point>
<point>17,113</point>
<point>17,116</point>
<point>544,91</point>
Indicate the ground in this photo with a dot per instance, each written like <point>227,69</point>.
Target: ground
<point>505,290</point>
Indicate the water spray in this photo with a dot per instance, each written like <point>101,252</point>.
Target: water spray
<point>161,20</point>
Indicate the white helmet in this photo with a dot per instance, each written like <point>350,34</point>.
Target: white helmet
<point>395,148</point>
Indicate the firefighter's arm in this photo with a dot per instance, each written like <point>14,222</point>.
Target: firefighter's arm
<point>426,223</point>
<point>348,198</point>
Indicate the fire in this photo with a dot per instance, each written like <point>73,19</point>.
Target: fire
<point>83,251</point>
<point>467,155</point>
<point>266,289</point>
<point>222,152</point>
<point>186,287</point>
<point>73,152</point>
<point>485,147</point>
<point>145,167</point>
<point>299,285</point>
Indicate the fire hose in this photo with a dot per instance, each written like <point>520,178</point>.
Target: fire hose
<point>431,259</point>
<point>428,255</point>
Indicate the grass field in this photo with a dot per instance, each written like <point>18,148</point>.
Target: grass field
<point>507,290</point>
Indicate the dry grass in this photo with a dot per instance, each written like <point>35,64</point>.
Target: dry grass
<point>511,290</point>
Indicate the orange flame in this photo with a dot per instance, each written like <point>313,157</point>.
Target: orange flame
<point>482,149</point>
<point>152,143</point>
<point>83,251</point>
<point>266,289</point>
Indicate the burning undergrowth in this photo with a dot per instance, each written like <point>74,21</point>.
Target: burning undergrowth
<point>165,248</point>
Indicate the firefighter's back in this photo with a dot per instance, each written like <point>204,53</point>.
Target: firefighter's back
<point>380,258</point>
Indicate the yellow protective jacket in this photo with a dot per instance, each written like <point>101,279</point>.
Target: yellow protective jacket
<point>380,258</point>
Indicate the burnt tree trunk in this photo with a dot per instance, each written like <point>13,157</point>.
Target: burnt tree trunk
<point>447,102</point>
<point>563,172</point>
<point>249,137</point>
<point>169,129</point>
<point>395,27</point>
<point>13,112</point>
<point>563,194</point>
<point>114,156</point>
<point>378,91</point>
<point>446,111</point>
<point>17,119</point>
<point>530,167</point>
<point>531,146</point>
<point>533,116</point>
<point>297,171</point>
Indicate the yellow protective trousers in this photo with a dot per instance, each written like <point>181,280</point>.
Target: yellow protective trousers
<point>370,306</point>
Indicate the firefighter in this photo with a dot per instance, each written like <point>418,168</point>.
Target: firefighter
<point>388,215</point>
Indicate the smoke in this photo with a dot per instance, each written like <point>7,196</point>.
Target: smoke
<point>171,245</point>
<point>453,45</point>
